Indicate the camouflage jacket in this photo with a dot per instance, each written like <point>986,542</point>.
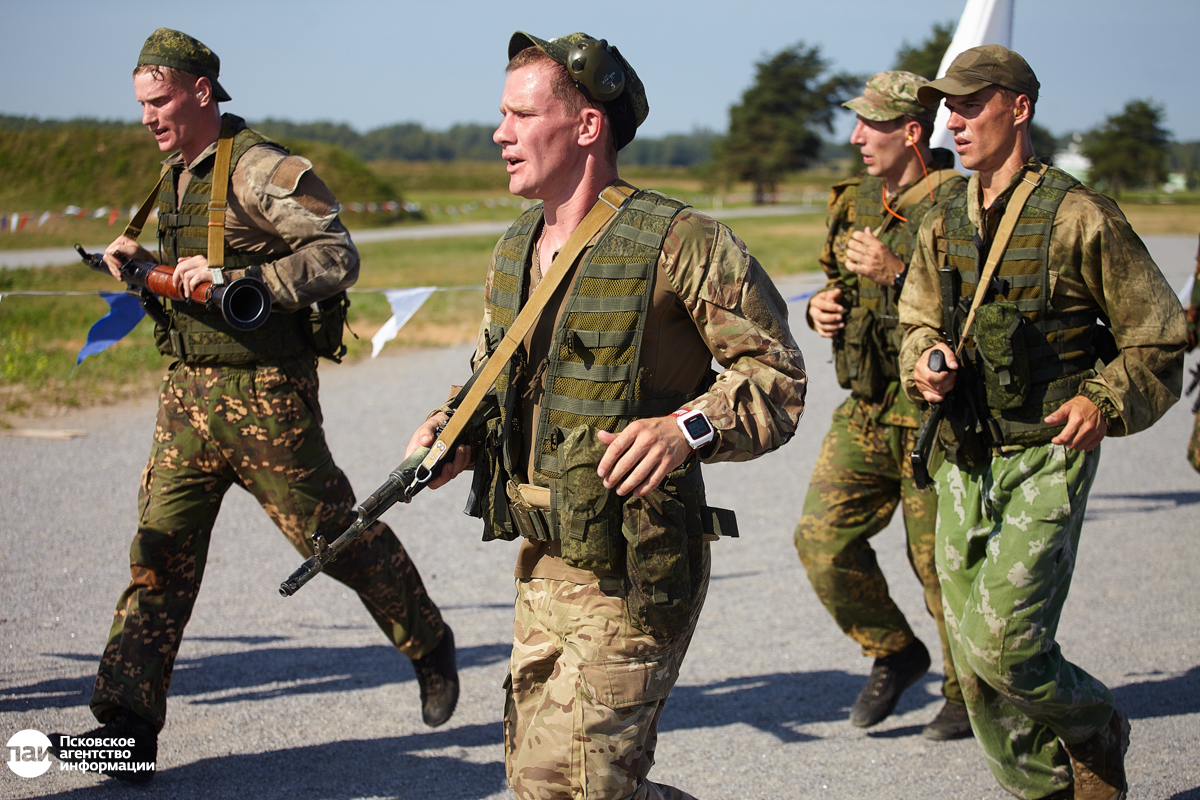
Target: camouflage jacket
<point>1097,264</point>
<point>278,206</point>
<point>891,407</point>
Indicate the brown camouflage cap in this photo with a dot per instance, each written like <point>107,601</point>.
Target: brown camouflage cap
<point>889,95</point>
<point>980,67</point>
<point>177,50</point>
<point>630,108</point>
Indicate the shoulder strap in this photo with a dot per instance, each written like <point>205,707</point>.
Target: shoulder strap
<point>1008,222</point>
<point>611,200</point>
<point>216,202</point>
<point>134,229</point>
<point>928,186</point>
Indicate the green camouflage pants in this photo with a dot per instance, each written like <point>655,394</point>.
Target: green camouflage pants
<point>1193,451</point>
<point>585,694</point>
<point>259,428</point>
<point>1007,536</point>
<point>862,474</point>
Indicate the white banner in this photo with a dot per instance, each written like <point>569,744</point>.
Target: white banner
<point>404,303</point>
<point>982,22</point>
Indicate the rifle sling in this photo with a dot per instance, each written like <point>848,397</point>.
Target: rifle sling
<point>1004,232</point>
<point>610,201</point>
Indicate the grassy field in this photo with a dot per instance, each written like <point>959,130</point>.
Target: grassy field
<point>40,336</point>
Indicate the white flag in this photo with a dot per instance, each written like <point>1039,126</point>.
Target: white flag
<point>982,22</point>
<point>404,303</point>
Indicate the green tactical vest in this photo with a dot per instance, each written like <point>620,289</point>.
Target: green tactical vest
<point>867,354</point>
<point>199,335</point>
<point>1027,357</point>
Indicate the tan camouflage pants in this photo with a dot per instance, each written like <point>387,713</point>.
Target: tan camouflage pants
<point>585,694</point>
<point>259,428</point>
<point>862,475</point>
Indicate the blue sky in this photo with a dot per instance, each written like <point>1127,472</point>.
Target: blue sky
<point>372,63</point>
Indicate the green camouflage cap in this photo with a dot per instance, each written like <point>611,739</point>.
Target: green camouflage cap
<point>177,50</point>
<point>627,111</point>
<point>980,67</point>
<point>889,95</point>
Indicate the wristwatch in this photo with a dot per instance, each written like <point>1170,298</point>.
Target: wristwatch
<point>695,426</point>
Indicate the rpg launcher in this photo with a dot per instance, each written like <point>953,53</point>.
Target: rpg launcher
<point>244,303</point>
<point>402,485</point>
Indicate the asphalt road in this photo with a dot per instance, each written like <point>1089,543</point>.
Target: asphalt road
<point>301,698</point>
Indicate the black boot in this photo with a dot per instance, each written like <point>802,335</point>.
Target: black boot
<point>107,749</point>
<point>437,676</point>
<point>890,676</point>
<point>950,723</point>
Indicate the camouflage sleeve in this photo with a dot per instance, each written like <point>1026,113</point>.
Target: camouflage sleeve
<point>921,303</point>
<point>839,221</point>
<point>1102,262</point>
<point>756,402</point>
<point>283,196</point>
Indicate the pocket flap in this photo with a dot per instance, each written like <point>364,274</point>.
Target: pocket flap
<point>625,682</point>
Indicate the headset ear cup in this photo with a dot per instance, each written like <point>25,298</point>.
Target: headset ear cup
<point>595,70</point>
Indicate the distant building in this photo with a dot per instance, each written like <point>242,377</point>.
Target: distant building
<point>1073,161</point>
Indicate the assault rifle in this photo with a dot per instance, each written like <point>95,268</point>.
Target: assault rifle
<point>401,486</point>
<point>244,303</point>
<point>951,285</point>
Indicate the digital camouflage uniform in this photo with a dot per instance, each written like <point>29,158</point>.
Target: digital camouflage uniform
<point>589,674</point>
<point>257,425</point>
<point>1009,521</point>
<point>863,472</point>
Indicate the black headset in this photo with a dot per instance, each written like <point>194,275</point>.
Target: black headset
<point>595,70</point>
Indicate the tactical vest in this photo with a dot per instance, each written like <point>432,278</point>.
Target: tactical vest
<point>867,353</point>
<point>199,335</point>
<point>1027,358</point>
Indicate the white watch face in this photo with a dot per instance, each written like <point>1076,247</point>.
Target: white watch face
<point>696,428</point>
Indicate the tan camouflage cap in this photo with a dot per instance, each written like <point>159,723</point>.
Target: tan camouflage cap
<point>627,111</point>
<point>177,50</point>
<point>980,67</point>
<point>889,95</point>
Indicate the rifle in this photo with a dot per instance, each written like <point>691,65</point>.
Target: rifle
<point>401,486</point>
<point>244,303</point>
<point>951,285</point>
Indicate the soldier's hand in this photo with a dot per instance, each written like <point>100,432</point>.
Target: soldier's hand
<point>126,247</point>
<point>825,310</point>
<point>639,457</point>
<point>425,436</point>
<point>934,386</point>
<point>1085,424</point>
<point>191,272</point>
<point>872,259</point>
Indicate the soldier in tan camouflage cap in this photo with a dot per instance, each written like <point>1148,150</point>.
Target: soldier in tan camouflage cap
<point>1076,336</point>
<point>863,473</point>
<point>240,407</point>
<point>604,418</point>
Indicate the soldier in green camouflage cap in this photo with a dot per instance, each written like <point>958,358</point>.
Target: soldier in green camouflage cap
<point>863,473</point>
<point>605,416</point>
<point>1076,336</point>
<point>240,407</point>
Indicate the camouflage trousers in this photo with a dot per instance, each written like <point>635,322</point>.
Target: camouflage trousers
<point>1008,533</point>
<point>862,475</point>
<point>1193,450</point>
<point>585,693</point>
<point>258,427</point>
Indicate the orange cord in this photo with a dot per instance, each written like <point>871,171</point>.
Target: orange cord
<point>928,183</point>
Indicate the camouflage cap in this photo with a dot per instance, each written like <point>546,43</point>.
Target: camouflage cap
<point>177,50</point>
<point>889,95</point>
<point>630,108</point>
<point>980,67</point>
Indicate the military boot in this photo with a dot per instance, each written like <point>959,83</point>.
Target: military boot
<point>107,750</point>
<point>951,722</point>
<point>437,675</point>
<point>890,676</point>
<point>1099,763</point>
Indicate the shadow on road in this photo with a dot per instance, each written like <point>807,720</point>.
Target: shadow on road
<point>348,769</point>
<point>1137,503</point>
<point>257,674</point>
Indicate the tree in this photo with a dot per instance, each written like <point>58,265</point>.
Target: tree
<point>1130,149</point>
<point>773,129</point>
<point>1045,143</point>
<point>925,58</point>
